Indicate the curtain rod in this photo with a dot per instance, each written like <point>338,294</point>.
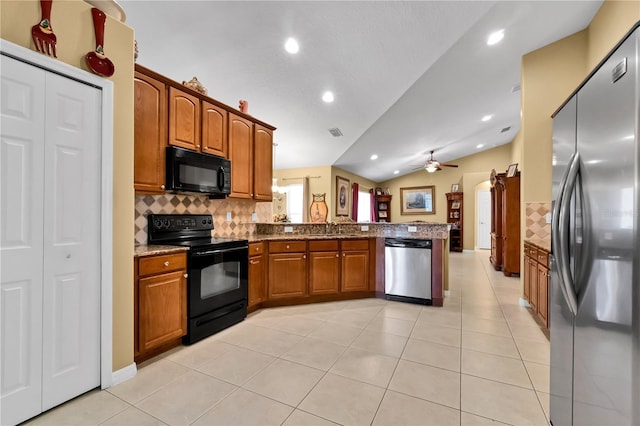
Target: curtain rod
<point>301,177</point>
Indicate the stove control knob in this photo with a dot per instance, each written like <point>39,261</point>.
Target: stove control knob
<point>209,221</point>
<point>166,223</point>
<point>157,223</point>
<point>204,221</point>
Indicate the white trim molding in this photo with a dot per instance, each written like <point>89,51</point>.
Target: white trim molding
<point>106,202</point>
<point>124,374</point>
<point>522,302</point>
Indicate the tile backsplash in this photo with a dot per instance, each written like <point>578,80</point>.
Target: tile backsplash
<point>241,223</point>
<point>536,223</point>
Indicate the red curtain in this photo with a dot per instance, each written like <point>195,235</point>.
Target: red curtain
<point>372,207</point>
<point>354,201</point>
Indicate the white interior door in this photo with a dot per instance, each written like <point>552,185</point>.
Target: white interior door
<point>483,227</point>
<point>21,247</point>
<point>50,243</point>
<point>71,327</point>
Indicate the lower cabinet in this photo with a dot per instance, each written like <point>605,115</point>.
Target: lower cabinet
<point>287,269</point>
<point>160,303</point>
<point>257,275</point>
<point>536,281</point>
<point>355,265</point>
<point>324,267</point>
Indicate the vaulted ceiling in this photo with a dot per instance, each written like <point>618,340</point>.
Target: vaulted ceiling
<point>408,77</point>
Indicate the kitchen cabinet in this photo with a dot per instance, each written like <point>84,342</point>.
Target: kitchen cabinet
<point>257,275</point>
<point>505,224</point>
<point>160,294</point>
<point>355,265</point>
<point>240,154</point>
<point>454,217</point>
<point>536,281</point>
<point>287,269</point>
<point>262,163</point>
<point>214,130</point>
<point>184,119</point>
<point>150,133</point>
<point>383,208</point>
<point>324,267</point>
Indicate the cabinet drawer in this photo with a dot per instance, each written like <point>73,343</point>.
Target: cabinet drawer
<point>543,258</point>
<point>323,245</point>
<point>355,244</point>
<point>256,248</point>
<point>287,246</point>
<point>160,264</point>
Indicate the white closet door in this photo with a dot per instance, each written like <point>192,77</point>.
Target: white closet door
<point>71,326</point>
<point>22,109</point>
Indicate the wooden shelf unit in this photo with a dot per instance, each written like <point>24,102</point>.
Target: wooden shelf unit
<point>454,217</point>
<point>505,224</point>
<point>383,208</point>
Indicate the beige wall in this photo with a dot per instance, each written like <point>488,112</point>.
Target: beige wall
<point>471,170</point>
<point>611,23</point>
<point>72,23</point>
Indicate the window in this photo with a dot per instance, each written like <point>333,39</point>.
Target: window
<point>295,203</point>
<point>364,206</point>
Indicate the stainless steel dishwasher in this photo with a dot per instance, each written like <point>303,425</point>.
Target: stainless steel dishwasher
<point>407,270</point>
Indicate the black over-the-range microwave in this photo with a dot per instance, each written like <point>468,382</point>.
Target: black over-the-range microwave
<point>189,171</point>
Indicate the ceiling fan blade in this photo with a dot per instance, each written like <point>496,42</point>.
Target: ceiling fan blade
<point>448,165</point>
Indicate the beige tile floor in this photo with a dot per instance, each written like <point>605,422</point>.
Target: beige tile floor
<point>479,360</point>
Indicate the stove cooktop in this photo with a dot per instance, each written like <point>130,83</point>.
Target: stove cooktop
<point>188,230</point>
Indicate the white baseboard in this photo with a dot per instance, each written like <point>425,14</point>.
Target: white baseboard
<point>524,303</point>
<point>468,251</point>
<point>124,374</point>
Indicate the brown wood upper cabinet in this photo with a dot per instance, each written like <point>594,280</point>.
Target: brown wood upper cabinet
<point>150,133</point>
<point>184,119</point>
<point>214,130</point>
<point>262,163</point>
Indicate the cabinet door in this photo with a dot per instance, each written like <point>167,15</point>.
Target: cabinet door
<point>240,154</point>
<point>324,272</point>
<point>162,309</point>
<point>184,120</point>
<point>355,270</point>
<point>287,275</point>
<point>527,278</point>
<point>257,280</point>
<point>543,294</point>
<point>262,163</point>
<point>214,130</point>
<point>149,134</point>
<point>533,288</point>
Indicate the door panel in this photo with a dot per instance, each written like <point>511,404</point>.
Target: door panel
<point>71,326</point>
<point>21,228</point>
<point>484,220</point>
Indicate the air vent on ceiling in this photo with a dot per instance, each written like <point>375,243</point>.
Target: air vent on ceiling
<point>506,129</point>
<point>515,88</point>
<point>335,132</point>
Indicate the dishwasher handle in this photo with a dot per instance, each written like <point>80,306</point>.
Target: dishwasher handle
<point>408,243</point>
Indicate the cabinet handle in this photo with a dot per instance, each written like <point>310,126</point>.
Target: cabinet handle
<point>287,246</point>
<point>257,248</point>
<point>251,262</point>
<point>337,255</point>
<point>161,186</point>
<point>166,263</point>
<point>304,256</point>
<point>344,254</point>
<point>197,146</point>
<point>186,275</point>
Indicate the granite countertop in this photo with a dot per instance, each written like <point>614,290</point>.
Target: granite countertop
<point>288,237</point>
<point>154,249</point>
<point>540,243</point>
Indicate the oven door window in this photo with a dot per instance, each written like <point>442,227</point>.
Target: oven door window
<point>219,278</point>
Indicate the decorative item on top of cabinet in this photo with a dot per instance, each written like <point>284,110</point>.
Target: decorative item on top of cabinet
<point>505,224</point>
<point>383,208</point>
<point>194,84</point>
<point>454,217</point>
<point>150,133</point>
<point>160,304</point>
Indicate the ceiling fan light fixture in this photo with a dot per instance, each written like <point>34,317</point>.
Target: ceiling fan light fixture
<point>431,168</point>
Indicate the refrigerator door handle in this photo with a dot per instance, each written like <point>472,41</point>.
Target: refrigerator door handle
<point>562,223</point>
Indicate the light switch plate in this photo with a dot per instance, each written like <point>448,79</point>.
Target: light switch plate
<point>547,217</point>
<point>412,229</point>
<point>364,227</point>
<point>254,217</point>
<point>228,216</point>
<point>288,229</point>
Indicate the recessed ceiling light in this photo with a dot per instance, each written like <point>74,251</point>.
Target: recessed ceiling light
<point>480,145</point>
<point>327,97</point>
<point>395,172</point>
<point>495,37</point>
<point>374,157</point>
<point>487,117</point>
<point>291,45</point>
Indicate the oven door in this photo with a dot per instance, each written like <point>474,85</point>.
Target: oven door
<point>217,278</point>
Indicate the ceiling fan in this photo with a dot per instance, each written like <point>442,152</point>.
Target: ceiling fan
<point>433,165</point>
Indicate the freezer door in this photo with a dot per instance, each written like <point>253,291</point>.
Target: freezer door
<point>560,315</point>
<point>603,337</point>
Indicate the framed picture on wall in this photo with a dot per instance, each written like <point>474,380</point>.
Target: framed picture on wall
<point>418,200</point>
<point>342,196</point>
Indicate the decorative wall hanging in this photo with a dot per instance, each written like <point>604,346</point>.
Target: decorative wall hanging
<point>418,200</point>
<point>43,37</point>
<point>97,61</point>
<point>342,196</point>
<point>318,210</point>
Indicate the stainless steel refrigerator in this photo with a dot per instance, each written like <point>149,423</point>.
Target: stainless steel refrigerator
<point>594,300</point>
